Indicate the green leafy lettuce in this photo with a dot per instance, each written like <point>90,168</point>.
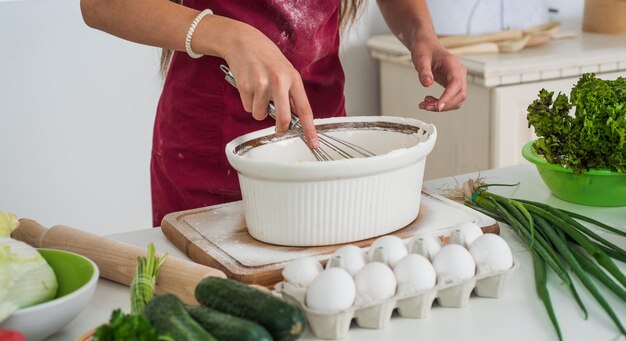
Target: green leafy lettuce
<point>594,137</point>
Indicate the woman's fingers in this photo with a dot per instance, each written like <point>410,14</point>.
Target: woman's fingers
<point>459,76</point>
<point>281,105</point>
<point>456,101</point>
<point>451,90</point>
<point>260,99</point>
<point>453,102</point>
<point>424,69</point>
<point>246,95</point>
<point>448,71</point>
<point>429,103</point>
<point>456,85</point>
<point>305,113</point>
<point>261,78</point>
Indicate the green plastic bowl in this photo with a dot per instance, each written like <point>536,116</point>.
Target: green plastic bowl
<point>77,277</point>
<point>593,188</point>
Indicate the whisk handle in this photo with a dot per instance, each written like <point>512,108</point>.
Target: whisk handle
<point>271,109</point>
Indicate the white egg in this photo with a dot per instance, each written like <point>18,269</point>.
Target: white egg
<point>416,272</point>
<point>427,246</point>
<point>453,263</point>
<point>376,281</point>
<point>394,248</point>
<point>470,232</point>
<point>353,258</point>
<point>302,271</point>
<point>333,290</point>
<point>491,253</point>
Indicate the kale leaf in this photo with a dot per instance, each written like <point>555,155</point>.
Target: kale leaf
<point>594,137</point>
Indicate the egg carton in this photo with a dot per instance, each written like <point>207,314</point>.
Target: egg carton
<point>409,303</point>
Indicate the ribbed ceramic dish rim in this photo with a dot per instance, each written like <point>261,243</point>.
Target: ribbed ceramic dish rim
<point>61,300</point>
<point>337,169</point>
<point>400,295</point>
<point>531,155</point>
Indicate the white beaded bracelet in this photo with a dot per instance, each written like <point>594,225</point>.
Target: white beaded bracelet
<point>192,28</point>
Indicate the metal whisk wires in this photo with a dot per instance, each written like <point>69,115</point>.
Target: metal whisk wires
<point>330,146</point>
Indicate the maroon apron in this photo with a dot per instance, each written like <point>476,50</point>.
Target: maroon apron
<point>199,113</point>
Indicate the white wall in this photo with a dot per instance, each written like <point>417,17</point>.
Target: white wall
<point>76,112</point>
<point>362,70</point>
<point>77,108</point>
<point>569,13</point>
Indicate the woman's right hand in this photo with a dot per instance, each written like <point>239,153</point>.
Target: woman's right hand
<point>264,74</point>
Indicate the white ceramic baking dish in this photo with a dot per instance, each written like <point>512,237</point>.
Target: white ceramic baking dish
<point>292,199</point>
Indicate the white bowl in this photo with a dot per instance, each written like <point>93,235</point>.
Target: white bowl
<point>42,320</point>
<point>292,199</point>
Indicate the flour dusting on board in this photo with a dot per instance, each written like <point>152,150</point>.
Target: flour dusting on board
<point>225,227</point>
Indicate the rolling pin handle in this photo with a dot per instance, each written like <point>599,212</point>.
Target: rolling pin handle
<point>29,232</point>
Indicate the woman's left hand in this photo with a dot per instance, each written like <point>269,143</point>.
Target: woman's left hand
<point>435,64</point>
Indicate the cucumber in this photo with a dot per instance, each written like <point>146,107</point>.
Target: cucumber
<point>169,316</point>
<point>228,327</point>
<point>283,320</point>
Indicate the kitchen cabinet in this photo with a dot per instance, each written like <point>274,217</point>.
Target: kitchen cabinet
<point>491,128</point>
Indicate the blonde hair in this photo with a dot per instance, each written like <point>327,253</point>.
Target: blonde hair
<point>349,11</point>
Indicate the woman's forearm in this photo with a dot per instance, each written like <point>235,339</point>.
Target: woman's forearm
<point>161,23</point>
<point>409,20</point>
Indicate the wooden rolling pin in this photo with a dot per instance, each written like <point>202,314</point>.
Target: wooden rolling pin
<point>116,260</point>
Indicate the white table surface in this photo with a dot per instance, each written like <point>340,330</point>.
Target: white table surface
<point>519,315</point>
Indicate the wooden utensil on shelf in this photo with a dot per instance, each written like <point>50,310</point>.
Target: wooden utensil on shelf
<point>507,46</point>
<point>482,48</point>
<point>549,27</point>
<point>471,39</point>
<point>116,260</point>
<point>506,41</point>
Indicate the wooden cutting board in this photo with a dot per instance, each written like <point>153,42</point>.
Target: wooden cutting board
<point>217,236</point>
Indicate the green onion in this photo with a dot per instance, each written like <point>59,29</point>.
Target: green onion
<point>144,283</point>
<point>551,259</point>
<point>578,270</point>
<point>577,216</point>
<point>612,253</point>
<point>548,256</point>
<point>557,239</point>
<point>590,267</point>
<point>601,257</point>
<point>542,290</point>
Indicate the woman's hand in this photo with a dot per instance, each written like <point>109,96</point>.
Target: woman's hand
<point>262,74</point>
<point>435,64</point>
<point>410,21</point>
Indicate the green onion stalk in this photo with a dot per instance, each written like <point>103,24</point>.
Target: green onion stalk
<point>143,285</point>
<point>136,326</point>
<point>557,240</point>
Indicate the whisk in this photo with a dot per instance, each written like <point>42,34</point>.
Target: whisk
<point>342,148</point>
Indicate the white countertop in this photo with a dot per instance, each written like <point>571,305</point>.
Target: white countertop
<point>519,315</point>
<point>556,59</point>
